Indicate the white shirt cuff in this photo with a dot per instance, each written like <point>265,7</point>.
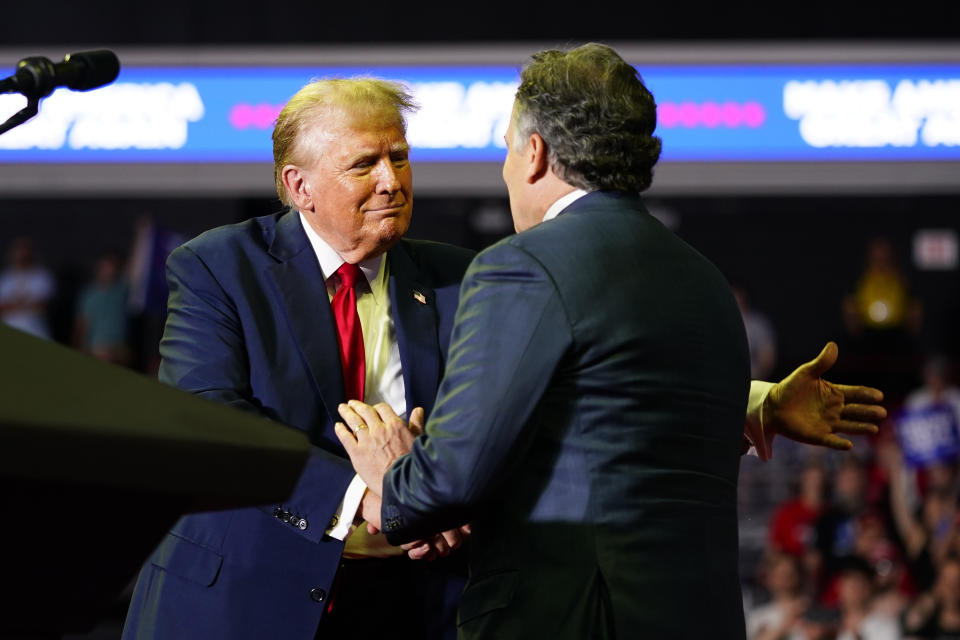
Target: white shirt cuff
<point>760,438</point>
<point>347,511</point>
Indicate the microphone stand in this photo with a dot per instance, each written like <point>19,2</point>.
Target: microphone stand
<point>32,108</point>
<point>31,84</point>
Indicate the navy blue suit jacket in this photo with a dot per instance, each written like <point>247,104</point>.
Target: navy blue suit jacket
<point>589,425</point>
<point>249,325</point>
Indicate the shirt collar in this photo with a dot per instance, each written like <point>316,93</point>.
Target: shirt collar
<point>330,260</point>
<point>563,203</point>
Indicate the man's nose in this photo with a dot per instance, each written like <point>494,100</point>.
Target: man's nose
<point>387,179</point>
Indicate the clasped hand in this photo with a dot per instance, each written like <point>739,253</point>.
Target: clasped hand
<point>376,437</point>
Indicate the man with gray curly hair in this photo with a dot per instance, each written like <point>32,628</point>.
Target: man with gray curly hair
<point>590,421</point>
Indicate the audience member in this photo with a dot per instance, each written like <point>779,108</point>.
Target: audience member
<point>936,614</point>
<point>782,617</point>
<point>101,324</point>
<point>881,297</point>
<point>875,547</point>
<point>26,288</point>
<point>792,525</point>
<point>925,527</point>
<point>859,617</point>
<point>938,386</point>
<point>928,426</point>
<point>836,527</point>
<point>882,322</point>
<point>147,300</point>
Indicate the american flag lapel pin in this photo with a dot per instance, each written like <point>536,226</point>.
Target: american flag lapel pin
<point>419,297</point>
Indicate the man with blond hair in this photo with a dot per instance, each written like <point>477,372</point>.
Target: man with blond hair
<point>288,315</point>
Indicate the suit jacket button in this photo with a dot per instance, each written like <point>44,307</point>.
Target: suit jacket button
<point>278,512</point>
<point>334,521</point>
<point>285,516</point>
<point>302,524</point>
<point>317,594</point>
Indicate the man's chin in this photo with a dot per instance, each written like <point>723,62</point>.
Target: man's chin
<point>388,236</point>
<point>393,228</point>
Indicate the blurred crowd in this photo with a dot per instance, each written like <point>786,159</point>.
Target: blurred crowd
<point>851,545</point>
<point>111,308</point>
<point>863,545</point>
<point>867,544</point>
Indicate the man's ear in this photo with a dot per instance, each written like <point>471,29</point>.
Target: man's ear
<point>536,155</point>
<point>297,187</point>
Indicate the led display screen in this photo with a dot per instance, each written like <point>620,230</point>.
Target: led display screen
<point>706,113</point>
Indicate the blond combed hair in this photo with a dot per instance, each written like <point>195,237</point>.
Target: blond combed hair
<point>367,97</point>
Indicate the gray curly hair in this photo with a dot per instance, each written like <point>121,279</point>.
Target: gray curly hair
<point>594,114</point>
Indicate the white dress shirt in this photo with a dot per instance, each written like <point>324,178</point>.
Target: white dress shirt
<point>383,381</point>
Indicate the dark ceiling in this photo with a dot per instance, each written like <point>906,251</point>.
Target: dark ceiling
<point>379,21</point>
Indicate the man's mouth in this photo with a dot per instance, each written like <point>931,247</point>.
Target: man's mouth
<point>387,208</point>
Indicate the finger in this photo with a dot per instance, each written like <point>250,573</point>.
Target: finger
<point>863,412</point>
<point>407,546</point>
<point>853,393</point>
<point>352,418</point>
<point>367,414</point>
<point>386,413</point>
<point>423,552</point>
<point>466,529</point>
<point>417,420</point>
<point>440,546</point>
<point>856,428</point>
<point>372,530</point>
<point>452,538</point>
<point>417,553</point>
<point>346,437</point>
<point>816,367</point>
<point>835,442</point>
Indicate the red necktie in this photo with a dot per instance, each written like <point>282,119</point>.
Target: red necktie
<point>349,333</point>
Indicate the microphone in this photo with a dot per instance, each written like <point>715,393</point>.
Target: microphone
<point>37,77</point>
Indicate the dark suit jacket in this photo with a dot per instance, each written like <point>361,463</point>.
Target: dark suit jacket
<point>249,325</point>
<point>589,425</point>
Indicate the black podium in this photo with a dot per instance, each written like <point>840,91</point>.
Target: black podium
<point>96,463</point>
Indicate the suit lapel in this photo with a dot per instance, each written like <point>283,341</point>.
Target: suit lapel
<point>415,317</point>
<point>303,295</point>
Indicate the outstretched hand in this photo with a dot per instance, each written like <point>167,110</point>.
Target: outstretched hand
<point>805,407</point>
<point>376,437</point>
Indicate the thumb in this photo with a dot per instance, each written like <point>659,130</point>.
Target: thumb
<point>346,437</point>
<point>417,420</point>
<point>819,365</point>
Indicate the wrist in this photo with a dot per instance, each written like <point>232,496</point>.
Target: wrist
<point>758,428</point>
<point>767,413</point>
